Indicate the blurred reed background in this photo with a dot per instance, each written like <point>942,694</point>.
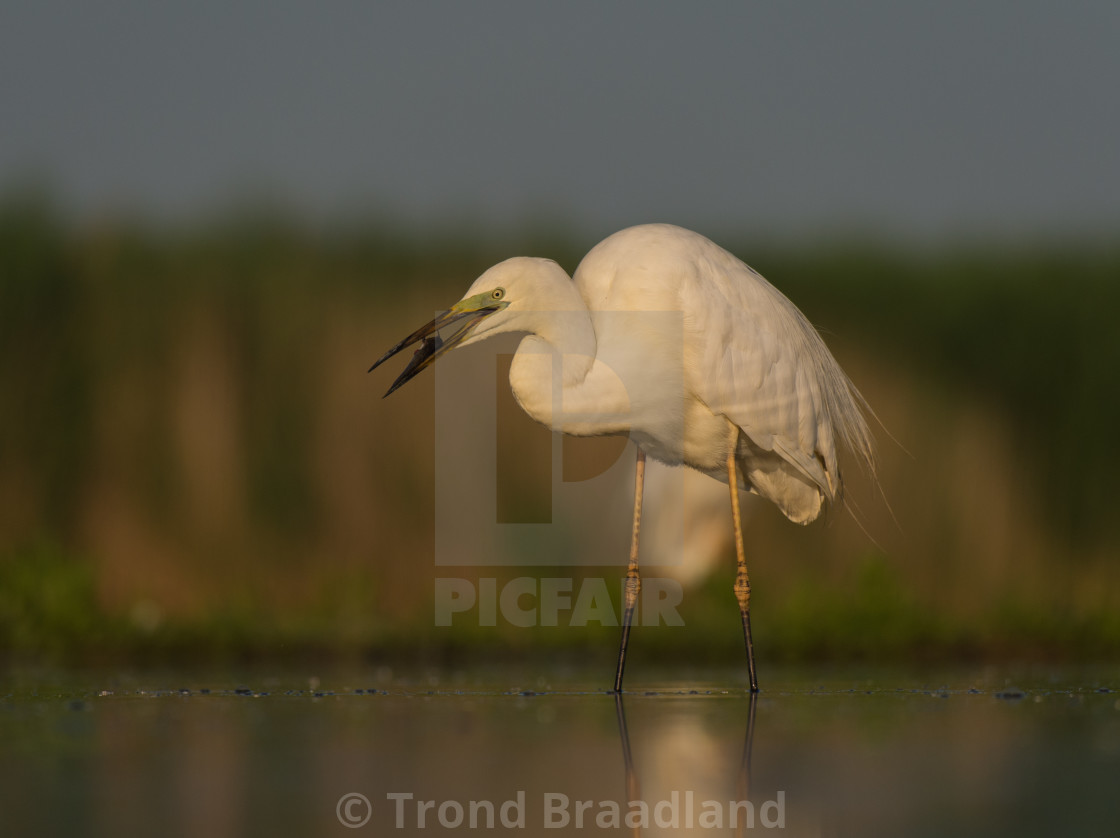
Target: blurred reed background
<point>194,463</point>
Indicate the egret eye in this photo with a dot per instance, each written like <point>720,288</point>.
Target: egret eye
<point>497,293</point>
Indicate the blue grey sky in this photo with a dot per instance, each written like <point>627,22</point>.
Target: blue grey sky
<point>895,119</point>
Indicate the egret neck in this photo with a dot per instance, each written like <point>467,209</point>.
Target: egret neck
<point>555,375</point>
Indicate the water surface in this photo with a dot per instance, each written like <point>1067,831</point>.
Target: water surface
<point>1000,751</point>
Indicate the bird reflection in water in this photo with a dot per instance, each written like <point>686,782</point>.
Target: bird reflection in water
<point>743,769</point>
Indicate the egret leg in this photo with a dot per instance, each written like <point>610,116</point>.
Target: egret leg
<point>742,580</point>
<point>633,579</point>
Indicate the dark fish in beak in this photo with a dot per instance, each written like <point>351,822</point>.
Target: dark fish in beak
<point>467,313</point>
<point>428,347</point>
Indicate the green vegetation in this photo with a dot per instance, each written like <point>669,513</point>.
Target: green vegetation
<point>193,465</point>
<point>49,612</point>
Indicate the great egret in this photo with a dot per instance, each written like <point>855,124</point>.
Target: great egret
<point>664,336</point>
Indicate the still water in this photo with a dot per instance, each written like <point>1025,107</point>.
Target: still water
<point>373,751</point>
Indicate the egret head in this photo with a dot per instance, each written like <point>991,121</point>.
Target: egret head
<point>492,305</point>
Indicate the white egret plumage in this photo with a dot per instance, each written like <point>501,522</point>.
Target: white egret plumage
<point>664,336</point>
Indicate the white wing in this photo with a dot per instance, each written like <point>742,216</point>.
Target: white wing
<point>749,355</point>
<point>754,358</point>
